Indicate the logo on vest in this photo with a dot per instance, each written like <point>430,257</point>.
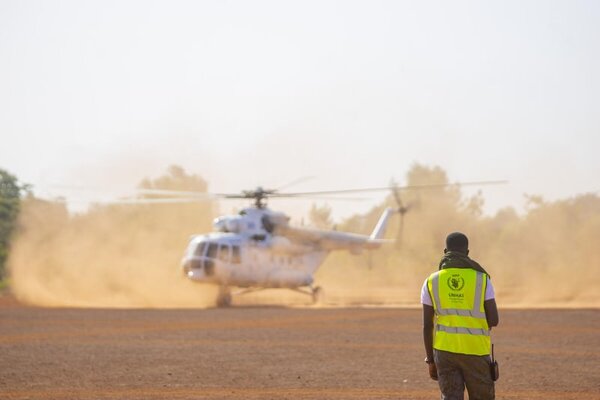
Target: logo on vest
<point>456,282</point>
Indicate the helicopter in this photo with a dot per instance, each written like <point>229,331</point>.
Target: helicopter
<point>259,249</point>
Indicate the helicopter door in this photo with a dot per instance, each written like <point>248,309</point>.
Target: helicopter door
<point>212,250</point>
<point>235,255</point>
<point>211,253</point>
<point>225,253</point>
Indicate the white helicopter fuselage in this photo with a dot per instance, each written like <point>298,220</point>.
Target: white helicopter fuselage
<point>258,249</point>
<point>230,259</point>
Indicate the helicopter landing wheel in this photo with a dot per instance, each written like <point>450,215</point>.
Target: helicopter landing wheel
<point>224,297</point>
<point>317,295</point>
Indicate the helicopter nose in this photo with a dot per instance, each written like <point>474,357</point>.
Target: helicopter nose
<point>196,275</point>
<point>195,267</point>
<point>195,264</point>
<point>191,265</point>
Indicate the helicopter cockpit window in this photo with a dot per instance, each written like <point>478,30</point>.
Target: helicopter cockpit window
<point>235,255</point>
<point>213,248</point>
<point>199,251</point>
<point>224,253</point>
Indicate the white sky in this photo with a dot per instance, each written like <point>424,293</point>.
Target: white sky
<point>245,93</point>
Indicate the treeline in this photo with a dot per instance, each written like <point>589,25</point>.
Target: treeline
<point>128,255</point>
<point>11,192</point>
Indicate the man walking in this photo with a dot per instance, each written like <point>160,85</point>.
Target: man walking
<point>460,299</point>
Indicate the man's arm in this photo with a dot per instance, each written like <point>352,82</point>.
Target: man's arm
<point>491,312</point>
<point>428,330</point>
<point>428,314</point>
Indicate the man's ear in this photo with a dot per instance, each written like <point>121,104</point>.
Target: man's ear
<point>445,251</point>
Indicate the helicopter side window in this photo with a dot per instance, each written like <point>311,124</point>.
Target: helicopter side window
<point>235,255</point>
<point>199,251</point>
<point>224,253</point>
<point>212,251</point>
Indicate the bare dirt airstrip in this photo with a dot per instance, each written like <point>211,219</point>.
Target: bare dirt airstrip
<point>275,353</point>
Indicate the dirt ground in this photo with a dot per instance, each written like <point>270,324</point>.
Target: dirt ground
<point>276,353</point>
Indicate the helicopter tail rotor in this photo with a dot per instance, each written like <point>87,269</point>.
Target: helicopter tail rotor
<point>402,210</point>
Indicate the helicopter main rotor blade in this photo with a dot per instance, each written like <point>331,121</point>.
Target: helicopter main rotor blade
<point>295,182</point>
<point>276,196</point>
<point>174,193</point>
<point>172,196</point>
<point>261,193</point>
<point>379,189</point>
<point>171,200</point>
<point>191,194</point>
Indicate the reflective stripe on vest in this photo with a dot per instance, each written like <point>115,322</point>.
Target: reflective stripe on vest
<point>461,326</point>
<point>468,331</point>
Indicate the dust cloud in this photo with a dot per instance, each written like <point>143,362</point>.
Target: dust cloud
<point>112,255</point>
<point>128,255</point>
<point>547,257</point>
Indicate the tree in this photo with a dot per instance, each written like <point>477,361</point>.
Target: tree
<point>320,217</point>
<point>10,196</point>
<point>176,179</point>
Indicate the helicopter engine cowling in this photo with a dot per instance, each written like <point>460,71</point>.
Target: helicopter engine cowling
<point>228,224</point>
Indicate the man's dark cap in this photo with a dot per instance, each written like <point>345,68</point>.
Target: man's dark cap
<point>457,241</point>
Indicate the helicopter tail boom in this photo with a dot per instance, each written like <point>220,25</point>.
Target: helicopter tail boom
<point>381,226</point>
<point>333,240</point>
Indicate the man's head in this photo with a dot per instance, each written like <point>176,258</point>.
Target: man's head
<point>457,241</point>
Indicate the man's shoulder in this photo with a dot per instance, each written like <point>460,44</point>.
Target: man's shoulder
<point>434,273</point>
<point>429,277</point>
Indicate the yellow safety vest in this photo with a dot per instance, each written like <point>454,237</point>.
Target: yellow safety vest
<point>457,295</point>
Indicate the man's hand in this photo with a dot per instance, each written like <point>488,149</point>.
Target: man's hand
<point>432,371</point>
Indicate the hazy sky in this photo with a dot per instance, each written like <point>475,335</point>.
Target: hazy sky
<point>104,93</point>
